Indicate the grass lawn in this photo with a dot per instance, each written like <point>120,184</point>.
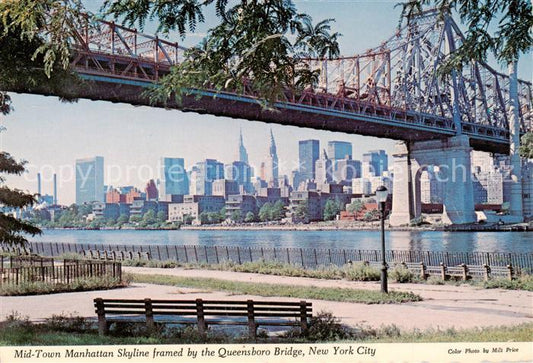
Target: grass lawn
<point>261,289</point>
<point>60,330</point>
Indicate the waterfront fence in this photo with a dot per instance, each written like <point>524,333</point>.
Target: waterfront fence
<point>66,273</point>
<point>305,257</point>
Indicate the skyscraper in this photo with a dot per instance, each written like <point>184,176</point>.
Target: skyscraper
<point>346,170</point>
<point>308,152</point>
<point>271,163</point>
<point>243,154</point>
<point>173,178</point>
<point>376,161</point>
<point>323,170</point>
<point>90,180</point>
<point>203,175</point>
<point>338,150</point>
<point>151,190</point>
<point>241,173</point>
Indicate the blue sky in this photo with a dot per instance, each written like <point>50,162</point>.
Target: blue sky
<point>51,135</point>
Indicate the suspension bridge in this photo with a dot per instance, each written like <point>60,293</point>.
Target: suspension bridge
<point>391,91</point>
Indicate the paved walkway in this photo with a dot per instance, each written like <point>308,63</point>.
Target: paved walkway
<point>444,306</point>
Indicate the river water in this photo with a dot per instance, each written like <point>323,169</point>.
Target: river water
<point>518,242</point>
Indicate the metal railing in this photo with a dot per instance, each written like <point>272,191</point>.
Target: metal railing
<point>305,257</point>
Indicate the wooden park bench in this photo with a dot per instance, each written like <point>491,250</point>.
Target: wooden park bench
<point>467,272</point>
<point>115,255</point>
<point>507,272</point>
<point>203,313</point>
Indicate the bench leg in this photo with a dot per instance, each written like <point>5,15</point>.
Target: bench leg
<point>252,330</point>
<point>202,326</point>
<point>103,327</point>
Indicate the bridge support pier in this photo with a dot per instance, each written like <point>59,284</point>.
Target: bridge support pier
<point>452,157</point>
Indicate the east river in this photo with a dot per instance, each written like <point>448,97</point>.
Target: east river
<point>518,242</point>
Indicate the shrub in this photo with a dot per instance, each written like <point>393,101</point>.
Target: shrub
<point>71,256</point>
<point>326,327</point>
<point>70,324</point>
<point>361,272</point>
<point>435,280</point>
<point>322,327</point>
<point>524,282</point>
<point>401,273</point>
<point>162,264</point>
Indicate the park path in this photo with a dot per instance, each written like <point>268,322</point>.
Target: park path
<point>444,306</point>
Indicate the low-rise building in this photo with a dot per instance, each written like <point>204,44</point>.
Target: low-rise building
<point>140,206</point>
<point>193,206</point>
<point>242,204</point>
<point>225,187</point>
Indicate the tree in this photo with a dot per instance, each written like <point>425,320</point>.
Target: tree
<point>277,212</point>
<point>161,216</point>
<point>236,216</point>
<point>149,218</point>
<point>500,27</point>
<point>135,219</point>
<point>372,215</point>
<point>97,222</point>
<point>250,217</point>
<point>222,214</point>
<point>214,217</point>
<point>301,211</point>
<point>12,200</point>
<point>29,62</point>
<point>122,219</point>
<point>526,147</point>
<point>257,44</point>
<point>331,209</point>
<point>83,210</point>
<point>356,206</point>
<point>265,212</point>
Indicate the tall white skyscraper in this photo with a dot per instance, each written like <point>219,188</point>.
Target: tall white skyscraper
<point>243,154</point>
<point>90,180</point>
<point>173,178</point>
<point>271,164</point>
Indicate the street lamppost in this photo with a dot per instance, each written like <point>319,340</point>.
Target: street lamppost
<point>381,196</point>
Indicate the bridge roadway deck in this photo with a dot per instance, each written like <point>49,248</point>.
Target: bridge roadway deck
<point>291,114</point>
<point>116,90</point>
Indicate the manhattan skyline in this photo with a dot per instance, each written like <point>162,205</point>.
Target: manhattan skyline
<point>126,138</point>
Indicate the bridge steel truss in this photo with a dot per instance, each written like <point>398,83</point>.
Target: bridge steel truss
<point>393,90</point>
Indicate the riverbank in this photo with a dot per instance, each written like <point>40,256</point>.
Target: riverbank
<point>319,226</point>
<point>361,226</point>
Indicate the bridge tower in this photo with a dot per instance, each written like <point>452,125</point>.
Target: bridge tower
<point>452,156</point>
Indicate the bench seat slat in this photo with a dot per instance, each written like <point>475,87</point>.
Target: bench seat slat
<point>206,302</point>
<point>133,306</point>
<point>178,307</point>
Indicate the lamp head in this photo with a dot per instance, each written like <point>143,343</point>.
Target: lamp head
<point>381,194</point>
